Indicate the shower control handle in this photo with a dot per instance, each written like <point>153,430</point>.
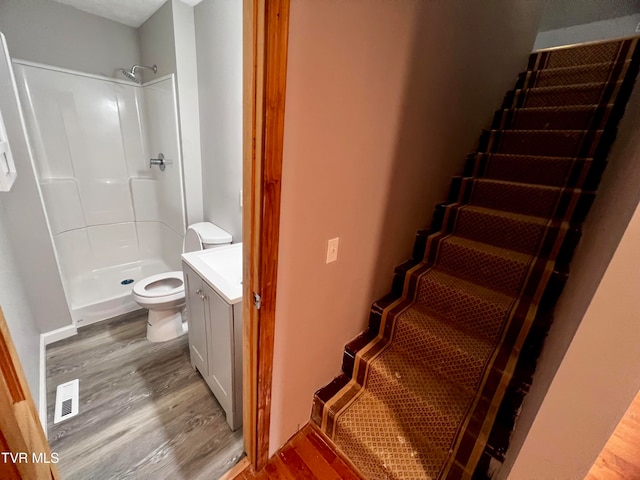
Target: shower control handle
<point>160,161</point>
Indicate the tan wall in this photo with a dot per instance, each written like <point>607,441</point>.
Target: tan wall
<point>598,378</point>
<point>579,379</point>
<point>384,99</point>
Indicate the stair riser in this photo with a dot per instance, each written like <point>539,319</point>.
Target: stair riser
<point>592,118</point>
<point>502,232</point>
<point>519,198</point>
<point>460,307</point>
<point>500,273</point>
<point>446,356</point>
<point>349,440</point>
<point>546,171</point>
<point>549,203</point>
<point>324,394</point>
<point>568,143</point>
<point>427,403</point>
<point>582,56</point>
<point>562,96</point>
<point>598,73</point>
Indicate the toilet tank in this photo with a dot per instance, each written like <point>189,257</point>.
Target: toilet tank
<point>204,235</point>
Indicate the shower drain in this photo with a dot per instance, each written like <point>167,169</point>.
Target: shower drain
<point>126,281</point>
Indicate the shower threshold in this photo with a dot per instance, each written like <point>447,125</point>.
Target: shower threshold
<point>106,292</point>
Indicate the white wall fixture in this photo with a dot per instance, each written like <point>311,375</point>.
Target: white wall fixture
<point>8,172</point>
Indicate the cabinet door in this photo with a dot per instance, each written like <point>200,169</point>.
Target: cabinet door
<point>220,348</point>
<point>196,320</point>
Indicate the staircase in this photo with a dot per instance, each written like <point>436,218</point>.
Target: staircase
<point>431,389</point>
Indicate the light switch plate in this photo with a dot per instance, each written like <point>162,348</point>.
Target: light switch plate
<point>332,250</point>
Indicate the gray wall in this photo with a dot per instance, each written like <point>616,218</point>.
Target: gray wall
<point>617,199</point>
<point>157,43</point>
<point>384,100</point>
<point>15,306</point>
<point>187,70</point>
<point>566,13</point>
<point>589,32</point>
<point>167,39</point>
<point>219,48</point>
<point>48,32</point>
<point>31,292</point>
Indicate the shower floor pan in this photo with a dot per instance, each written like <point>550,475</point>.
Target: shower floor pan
<point>101,293</point>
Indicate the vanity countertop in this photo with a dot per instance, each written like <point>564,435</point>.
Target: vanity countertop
<point>221,268</point>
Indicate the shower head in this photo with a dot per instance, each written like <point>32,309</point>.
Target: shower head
<point>131,74</point>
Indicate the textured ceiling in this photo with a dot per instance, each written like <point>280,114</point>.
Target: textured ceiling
<point>130,12</point>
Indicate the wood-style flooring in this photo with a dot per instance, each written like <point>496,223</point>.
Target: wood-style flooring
<point>620,457</point>
<point>144,411</point>
<point>305,456</point>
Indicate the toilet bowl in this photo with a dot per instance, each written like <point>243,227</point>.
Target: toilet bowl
<point>163,294</point>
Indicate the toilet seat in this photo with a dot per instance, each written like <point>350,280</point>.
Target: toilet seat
<point>163,287</point>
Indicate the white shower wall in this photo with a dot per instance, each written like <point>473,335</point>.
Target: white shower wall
<point>112,217</point>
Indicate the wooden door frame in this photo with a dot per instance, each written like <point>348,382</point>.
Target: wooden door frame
<point>265,37</point>
<point>21,432</point>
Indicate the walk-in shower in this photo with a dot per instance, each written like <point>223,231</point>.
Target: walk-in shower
<point>132,74</point>
<point>113,219</point>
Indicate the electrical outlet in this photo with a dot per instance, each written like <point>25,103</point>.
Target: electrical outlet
<point>332,249</point>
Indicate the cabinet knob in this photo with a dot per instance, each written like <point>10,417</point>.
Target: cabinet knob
<point>199,292</point>
<point>202,297</point>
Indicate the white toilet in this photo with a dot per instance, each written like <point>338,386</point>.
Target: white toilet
<point>163,294</point>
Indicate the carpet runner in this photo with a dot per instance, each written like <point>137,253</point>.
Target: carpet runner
<point>420,395</point>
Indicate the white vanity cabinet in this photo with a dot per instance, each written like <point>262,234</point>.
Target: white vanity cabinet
<point>215,342</point>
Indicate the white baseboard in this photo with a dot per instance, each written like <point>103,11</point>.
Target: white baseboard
<point>42,396</point>
<point>46,339</point>
<point>59,334</point>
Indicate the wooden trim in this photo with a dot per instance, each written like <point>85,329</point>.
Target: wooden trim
<point>252,199</point>
<point>266,28</point>
<point>20,428</point>
<point>275,72</point>
<point>236,470</point>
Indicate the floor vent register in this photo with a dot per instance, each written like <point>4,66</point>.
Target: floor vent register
<point>66,400</point>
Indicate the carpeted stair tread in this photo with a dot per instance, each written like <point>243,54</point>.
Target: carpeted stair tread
<point>593,73</point>
<point>399,378</point>
<point>582,94</point>
<point>500,268</point>
<point>447,348</point>
<point>503,229</point>
<point>467,304</point>
<point>544,143</point>
<point>523,198</point>
<point>536,170</point>
<point>572,117</point>
<point>588,54</point>
<point>388,450</point>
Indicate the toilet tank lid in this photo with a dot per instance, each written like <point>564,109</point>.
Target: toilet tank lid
<point>211,234</point>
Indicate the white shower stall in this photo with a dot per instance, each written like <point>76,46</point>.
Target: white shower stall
<point>113,217</point>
